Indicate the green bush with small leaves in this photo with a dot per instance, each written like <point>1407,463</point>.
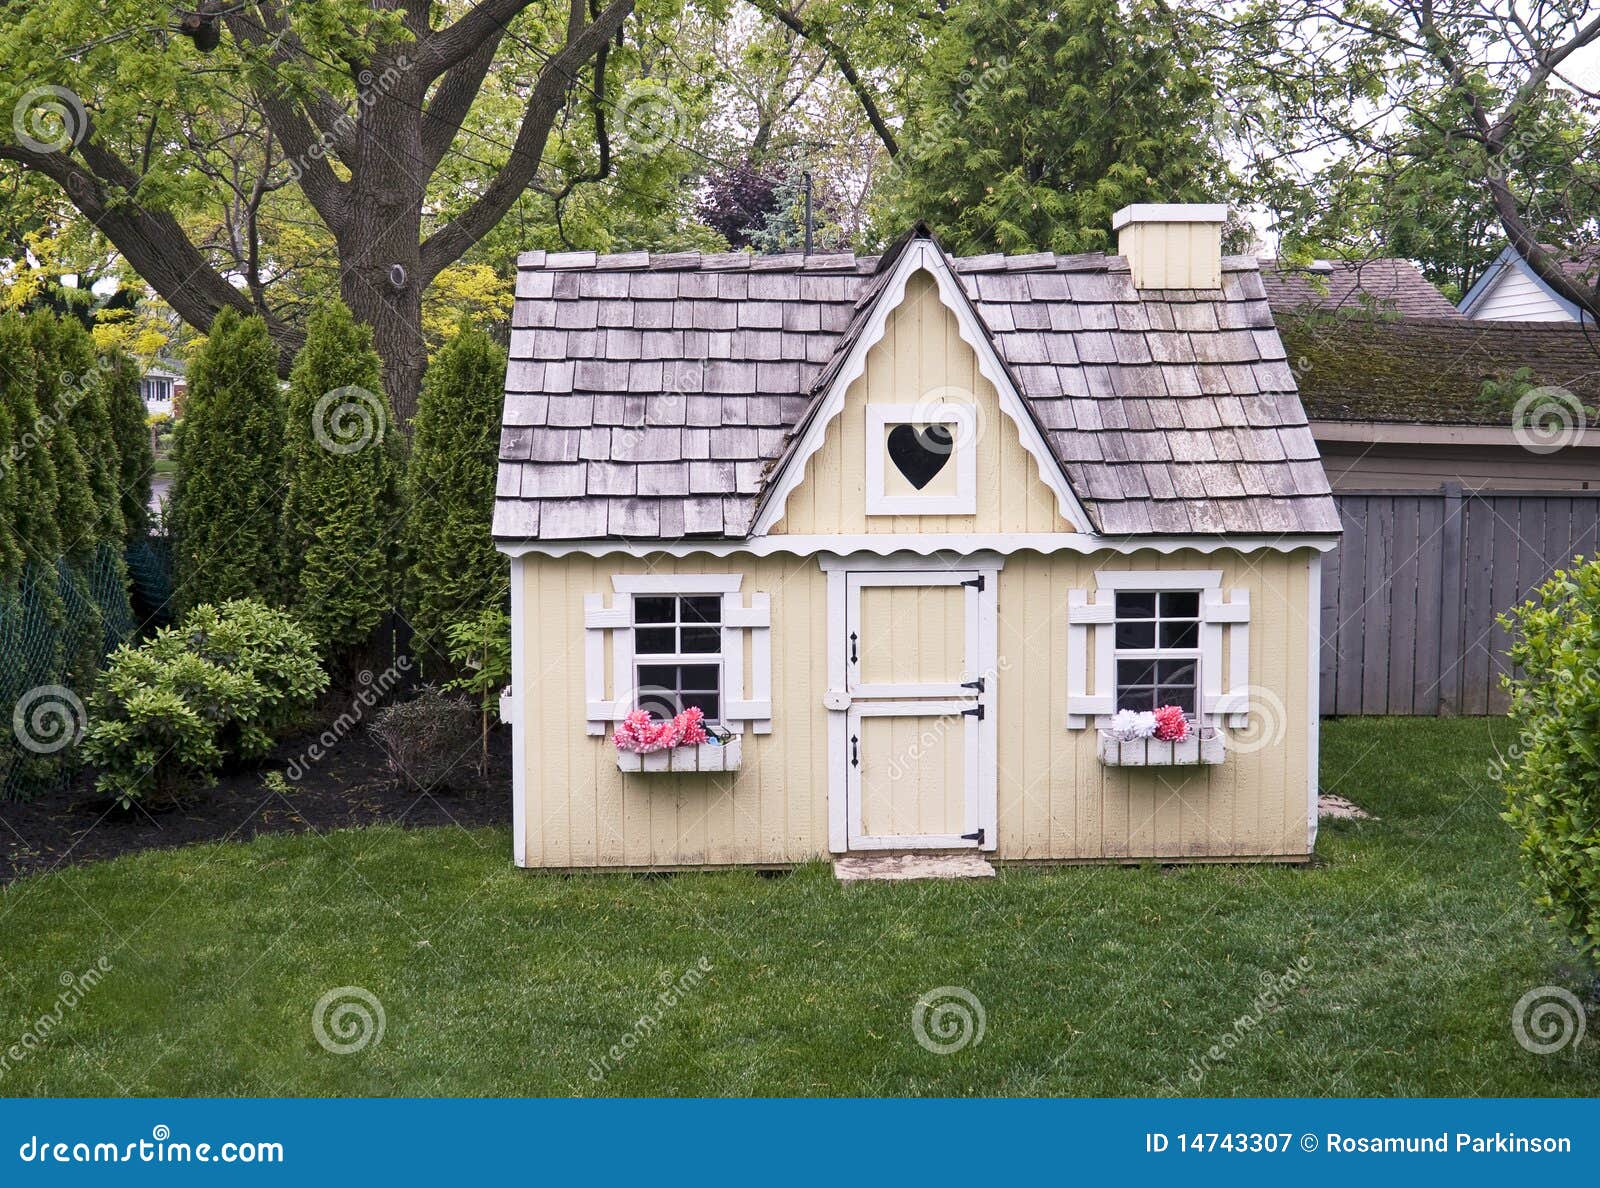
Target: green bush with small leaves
<point>1553,782</point>
<point>223,683</point>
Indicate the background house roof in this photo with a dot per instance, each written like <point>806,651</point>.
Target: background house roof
<point>1384,286</point>
<point>1443,371</point>
<point>647,397</point>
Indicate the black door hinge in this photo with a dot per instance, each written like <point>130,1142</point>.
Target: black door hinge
<point>852,647</point>
<point>976,583</point>
<point>977,684</point>
<point>855,750</point>
<point>977,837</point>
<point>975,712</point>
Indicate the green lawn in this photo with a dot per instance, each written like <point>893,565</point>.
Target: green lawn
<point>1414,937</point>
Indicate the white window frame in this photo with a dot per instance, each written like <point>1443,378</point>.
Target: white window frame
<point>741,625</point>
<point>964,422</point>
<point>1091,644</point>
<point>680,659</point>
<point>1157,653</point>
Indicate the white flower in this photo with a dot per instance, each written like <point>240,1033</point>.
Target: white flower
<point>1128,725</point>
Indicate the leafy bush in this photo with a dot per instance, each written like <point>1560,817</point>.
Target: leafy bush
<point>1553,786</point>
<point>429,739</point>
<point>481,648</point>
<point>224,682</point>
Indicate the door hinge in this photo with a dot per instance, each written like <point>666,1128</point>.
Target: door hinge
<point>852,647</point>
<point>976,583</point>
<point>977,837</point>
<point>855,750</point>
<point>975,712</point>
<point>977,684</point>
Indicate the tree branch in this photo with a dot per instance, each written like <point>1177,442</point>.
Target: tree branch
<point>452,101</point>
<point>454,44</point>
<point>560,72</point>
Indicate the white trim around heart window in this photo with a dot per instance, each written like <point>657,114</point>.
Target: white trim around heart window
<point>964,422</point>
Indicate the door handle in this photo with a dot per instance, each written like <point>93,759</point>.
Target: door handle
<point>855,750</point>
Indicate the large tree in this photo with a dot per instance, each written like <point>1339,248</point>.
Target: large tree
<point>356,102</point>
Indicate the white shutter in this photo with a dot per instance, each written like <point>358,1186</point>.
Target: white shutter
<point>1232,701</point>
<point>1091,621</point>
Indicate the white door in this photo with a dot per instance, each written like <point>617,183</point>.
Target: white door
<point>918,705</point>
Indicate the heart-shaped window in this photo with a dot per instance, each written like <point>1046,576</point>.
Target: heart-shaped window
<point>920,452</point>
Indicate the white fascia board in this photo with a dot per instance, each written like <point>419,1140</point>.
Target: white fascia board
<point>922,543</point>
<point>1170,212</point>
<point>1411,433</point>
<point>921,255</point>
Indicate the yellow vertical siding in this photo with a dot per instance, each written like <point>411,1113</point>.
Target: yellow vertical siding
<point>921,358</point>
<point>1056,800</point>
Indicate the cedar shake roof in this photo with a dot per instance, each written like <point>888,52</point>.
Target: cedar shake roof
<point>1384,287</point>
<point>652,397</point>
<point>1455,372</point>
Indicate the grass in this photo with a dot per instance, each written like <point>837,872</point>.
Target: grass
<point>1413,933</point>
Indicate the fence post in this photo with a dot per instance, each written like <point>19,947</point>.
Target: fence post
<point>1453,587</point>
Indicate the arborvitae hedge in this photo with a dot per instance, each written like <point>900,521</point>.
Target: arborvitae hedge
<point>131,435</point>
<point>341,518</point>
<point>455,570</point>
<point>228,496</point>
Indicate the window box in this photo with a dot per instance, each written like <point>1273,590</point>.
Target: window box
<point>1203,746</point>
<point>707,756</point>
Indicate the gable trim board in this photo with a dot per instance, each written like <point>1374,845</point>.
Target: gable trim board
<point>919,255</point>
<point>1510,263</point>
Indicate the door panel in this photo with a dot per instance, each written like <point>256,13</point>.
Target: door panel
<point>913,778</point>
<point>912,635</point>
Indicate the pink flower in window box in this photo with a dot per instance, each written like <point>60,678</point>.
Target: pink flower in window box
<point>641,734</point>
<point>1171,725</point>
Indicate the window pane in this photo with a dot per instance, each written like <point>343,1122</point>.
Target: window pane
<point>1136,672</point>
<point>1183,698</point>
<point>654,641</point>
<point>1176,672</point>
<point>1180,604</point>
<point>706,609</point>
<point>660,703</point>
<point>658,676</point>
<point>1136,635</point>
<point>1179,635</point>
<point>699,677</point>
<point>708,703</point>
<point>1136,697</point>
<point>653,609</point>
<point>702,639</point>
<point>1135,604</point>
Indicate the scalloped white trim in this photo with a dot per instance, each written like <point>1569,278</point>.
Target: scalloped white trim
<point>924,544</point>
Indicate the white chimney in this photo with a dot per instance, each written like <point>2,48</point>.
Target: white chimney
<point>1172,245</point>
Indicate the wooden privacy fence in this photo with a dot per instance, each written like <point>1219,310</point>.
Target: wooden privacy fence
<point>1409,597</point>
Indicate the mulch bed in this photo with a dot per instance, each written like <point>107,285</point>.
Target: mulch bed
<point>349,786</point>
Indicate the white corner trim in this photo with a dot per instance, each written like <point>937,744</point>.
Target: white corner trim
<point>522,694</point>
<point>1170,212</point>
<point>1313,695</point>
<point>965,447</point>
<point>924,543</point>
<point>920,255</point>
<point>676,583</point>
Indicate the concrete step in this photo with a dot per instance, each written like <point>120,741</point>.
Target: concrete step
<point>891,868</point>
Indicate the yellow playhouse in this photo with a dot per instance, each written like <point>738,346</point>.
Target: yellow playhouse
<point>920,546</point>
